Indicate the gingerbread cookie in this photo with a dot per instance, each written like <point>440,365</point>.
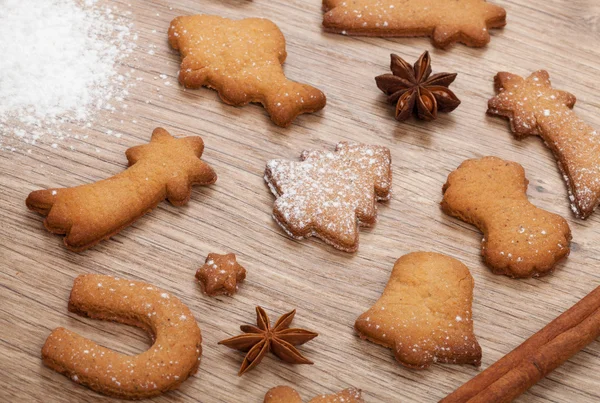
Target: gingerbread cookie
<point>330,194</point>
<point>445,21</point>
<point>173,357</point>
<point>165,168</point>
<point>220,274</point>
<point>519,239</point>
<point>535,108</point>
<point>424,314</point>
<point>285,394</point>
<point>242,61</point>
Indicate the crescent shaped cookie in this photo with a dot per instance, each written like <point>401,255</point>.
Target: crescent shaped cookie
<point>424,313</point>
<point>242,61</point>
<point>173,357</point>
<point>166,168</point>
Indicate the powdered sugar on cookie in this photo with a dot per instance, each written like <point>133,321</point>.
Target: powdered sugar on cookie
<point>535,108</point>
<point>331,194</point>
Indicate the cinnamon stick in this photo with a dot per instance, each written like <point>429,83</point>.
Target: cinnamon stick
<point>539,355</point>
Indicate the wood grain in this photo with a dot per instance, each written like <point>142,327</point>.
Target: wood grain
<point>328,288</point>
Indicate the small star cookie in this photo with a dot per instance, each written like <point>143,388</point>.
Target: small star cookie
<point>242,61</point>
<point>220,274</point>
<point>424,313</point>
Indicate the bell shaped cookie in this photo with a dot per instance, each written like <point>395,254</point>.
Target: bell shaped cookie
<point>424,314</point>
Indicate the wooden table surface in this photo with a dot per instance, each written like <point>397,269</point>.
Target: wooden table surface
<point>328,288</point>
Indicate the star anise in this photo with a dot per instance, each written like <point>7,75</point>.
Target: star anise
<point>280,339</point>
<point>414,90</point>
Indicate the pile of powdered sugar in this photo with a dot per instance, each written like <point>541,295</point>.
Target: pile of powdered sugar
<point>58,65</point>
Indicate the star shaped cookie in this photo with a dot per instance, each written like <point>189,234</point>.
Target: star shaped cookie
<point>220,274</point>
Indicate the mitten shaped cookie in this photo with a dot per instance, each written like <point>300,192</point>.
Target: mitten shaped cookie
<point>445,21</point>
<point>166,168</point>
<point>285,394</point>
<point>173,357</point>
<point>535,108</point>
<point>242,61</point>
<point>330,194</point>
<point>519,239</point>
<point>424,313</point>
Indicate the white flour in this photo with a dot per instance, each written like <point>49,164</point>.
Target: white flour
<point>58,65</point>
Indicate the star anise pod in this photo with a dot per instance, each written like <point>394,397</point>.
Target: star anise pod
<point>414,90</point>
<point>258,340</point>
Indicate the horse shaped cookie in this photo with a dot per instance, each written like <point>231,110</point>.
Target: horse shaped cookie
<point>173,357</point>
<point>519,239</point>
<point>535,108</point>
<point>166,168</point>
<point>242,61</point>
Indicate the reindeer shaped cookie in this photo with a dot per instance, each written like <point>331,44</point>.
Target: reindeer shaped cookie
<point>166,168</point>
<point>446,21</point>
<point>242,61</point>
<point>519,239</point>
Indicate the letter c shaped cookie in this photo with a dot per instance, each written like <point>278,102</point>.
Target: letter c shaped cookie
<point>173,357</point>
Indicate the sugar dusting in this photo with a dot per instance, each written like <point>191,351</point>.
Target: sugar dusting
<point>59,67</point>
<point>536,108</point>
<point>328,194</point>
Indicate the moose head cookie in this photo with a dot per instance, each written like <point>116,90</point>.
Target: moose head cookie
<point>330,194</point>
<point>166,168</point>
<point>535,108</point>
<point>446,21</point>
<point>173,357</point>
<point>242,61</point>
<point>424,313</point>
<point>285,394</point>
<point>519,239</point>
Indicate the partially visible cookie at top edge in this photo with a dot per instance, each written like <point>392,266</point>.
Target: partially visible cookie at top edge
<point>330,194</point>
<point>445,21</point>
<point>242,60</point>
